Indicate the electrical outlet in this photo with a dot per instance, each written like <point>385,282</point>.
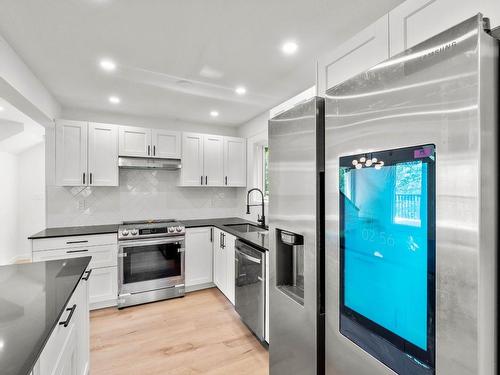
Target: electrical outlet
<point>81,204</point>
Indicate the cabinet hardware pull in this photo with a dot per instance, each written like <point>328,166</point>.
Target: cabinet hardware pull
<point>81,241</point>
<point>71,312</point>
<point>90,178</point>
<point>84,178</point>
<point>201,181</point>
<point>211,234</point>
<point>149,150</point>
<point>154,150</point>
<point>226,180</point>
<point>87,276</point>
<point>76,251</point>
<point>206,180</point>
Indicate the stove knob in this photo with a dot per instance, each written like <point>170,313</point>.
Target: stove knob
<point>171,229</point>
<point>134,232</point>
<point>178,229</point>
<point>124,232</point>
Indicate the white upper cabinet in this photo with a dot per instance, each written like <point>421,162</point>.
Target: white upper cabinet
<point>192,160</point>
<point>152,143</point>
<point>235,159</point>
<point>135,141</point>
<point>86,154</point>
<point>414,21</point>
<point>103,155</point>
<point>364,50</point>
<point>71,153</point>
<point>213,160</point>
<point>166,144</point>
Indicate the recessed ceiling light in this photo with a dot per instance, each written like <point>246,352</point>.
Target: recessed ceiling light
<point>114,99</point>
<point>214,113</point>
<point>240,90</point>
<point>107,65</point>
<point>289,48</point>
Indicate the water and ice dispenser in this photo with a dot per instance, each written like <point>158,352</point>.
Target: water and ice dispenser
<point>290,264</point>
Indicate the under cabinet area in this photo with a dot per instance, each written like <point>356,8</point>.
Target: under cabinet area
<point>103,273</point>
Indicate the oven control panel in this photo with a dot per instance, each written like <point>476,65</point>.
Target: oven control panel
<point>150,230</point>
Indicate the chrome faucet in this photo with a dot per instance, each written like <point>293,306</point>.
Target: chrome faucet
<point>260,219</point>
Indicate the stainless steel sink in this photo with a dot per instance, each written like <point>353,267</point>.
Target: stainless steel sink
<point>246,228</point>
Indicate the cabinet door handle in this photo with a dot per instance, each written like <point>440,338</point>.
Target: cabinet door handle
<point>84,178</point>
<point>211,234</point>
<point>76,251</point>
<point>154,150</point>
<point>206,180</point>
<point>87,275</point>
<point>90,178</point>
<point>68,319</point>
<point>71,242</point>
<point>226,180</point>
<point>201,180</point>
<point>149,150</point>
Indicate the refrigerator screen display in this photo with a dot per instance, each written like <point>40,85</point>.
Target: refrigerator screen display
<point>387,245</point>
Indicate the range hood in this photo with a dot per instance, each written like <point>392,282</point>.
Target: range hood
<point>149,163</point>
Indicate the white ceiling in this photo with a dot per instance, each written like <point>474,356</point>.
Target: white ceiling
<point>160,44</point>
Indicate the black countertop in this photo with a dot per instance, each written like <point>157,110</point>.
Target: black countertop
<point>256,239</point>
<point>32,299</point>
<point>75,231</point>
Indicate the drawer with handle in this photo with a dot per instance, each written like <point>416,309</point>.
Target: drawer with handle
<point>102,256</point>
<point>44,244</point>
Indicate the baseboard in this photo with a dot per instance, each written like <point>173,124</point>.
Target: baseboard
<point>194,288</point>
<point>102,304</point>
<point>24,258</point>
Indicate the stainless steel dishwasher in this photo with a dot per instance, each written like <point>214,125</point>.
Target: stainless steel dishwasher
<point>250,286</point>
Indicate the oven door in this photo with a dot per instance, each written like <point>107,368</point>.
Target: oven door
<point>146,265</point>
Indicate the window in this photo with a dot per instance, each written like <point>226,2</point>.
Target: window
<point>265,171</point>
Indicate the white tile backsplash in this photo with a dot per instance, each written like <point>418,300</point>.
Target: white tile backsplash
<point>142,194</point>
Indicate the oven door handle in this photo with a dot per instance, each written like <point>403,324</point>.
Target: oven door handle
<point>130,243</point>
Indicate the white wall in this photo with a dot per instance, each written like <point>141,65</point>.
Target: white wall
<point>31,196</point>
<point>22,88</point>
<point>8,207</point>
<point>142,194</point>
<point>148,122</point>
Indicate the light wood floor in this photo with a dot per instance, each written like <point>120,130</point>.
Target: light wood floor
<point>198,334</point>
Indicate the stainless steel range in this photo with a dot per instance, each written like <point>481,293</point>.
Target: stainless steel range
<point>150,261</point>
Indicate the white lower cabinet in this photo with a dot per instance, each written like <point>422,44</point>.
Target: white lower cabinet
<point>198,258</point>
<point>224,263</point>
<point>103,287</point>
<point>103,281</point>
<point>67,349</point>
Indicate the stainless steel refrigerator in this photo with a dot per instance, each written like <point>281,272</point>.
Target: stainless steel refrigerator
<point>296,165</point>
<point>411,211</point>
<point>383,255</point>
